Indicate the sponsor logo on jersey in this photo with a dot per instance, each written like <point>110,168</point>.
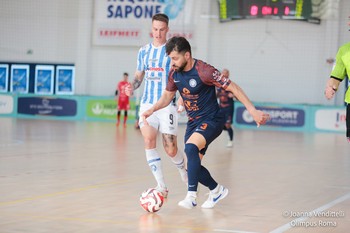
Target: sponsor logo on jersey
<point>153,78</point>
<point>157,69</point>
<point>185,91</point>
<point>203,126</point>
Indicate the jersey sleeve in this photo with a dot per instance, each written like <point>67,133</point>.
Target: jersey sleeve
<point>171,84</point>
<point>211,76</point>
<point>140,64</point>
<point>339,68</point>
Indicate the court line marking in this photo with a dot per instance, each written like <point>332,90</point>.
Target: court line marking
<point>288,225</point>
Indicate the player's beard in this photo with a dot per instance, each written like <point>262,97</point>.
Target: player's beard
<point>180,68</point>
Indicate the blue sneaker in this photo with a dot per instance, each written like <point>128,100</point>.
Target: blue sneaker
<point>189,202</point>
<point>215,197</point>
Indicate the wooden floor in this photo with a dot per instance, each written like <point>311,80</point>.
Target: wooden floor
<point>69,177</point>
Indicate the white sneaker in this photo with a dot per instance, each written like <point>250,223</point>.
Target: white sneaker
<point>189,202</point>
<point>215,197</point>
<point>229,144</point>
<point>164,191</point>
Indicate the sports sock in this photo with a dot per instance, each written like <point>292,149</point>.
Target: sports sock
<point>179,162</point>
<point>206,179</point>
<point>193,166</point>
<point>125,117</point>
<point>230,133</point>
<point>192,194</point>
<point>154,162</point>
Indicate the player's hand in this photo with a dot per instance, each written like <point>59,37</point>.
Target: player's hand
<point>180,108</point>
<point>145,115</point>
<point>129,90</point>
<point>180,105</point>
<point>330,91</point>
<point>331,88</point>
<point>260,117</point>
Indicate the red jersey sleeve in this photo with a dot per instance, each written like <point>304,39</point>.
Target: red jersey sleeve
<point>171,84</point>
<point>211,76</point>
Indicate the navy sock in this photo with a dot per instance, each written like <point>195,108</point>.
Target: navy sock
<point>193,166</point>
<point>230,133</point>
<point>206,179</point>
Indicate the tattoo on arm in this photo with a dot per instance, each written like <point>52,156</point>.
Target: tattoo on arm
<point>136,83</point>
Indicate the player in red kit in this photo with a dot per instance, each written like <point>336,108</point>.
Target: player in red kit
<point>123,99</point>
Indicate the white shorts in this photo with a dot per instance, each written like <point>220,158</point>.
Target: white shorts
<point>164,120</point>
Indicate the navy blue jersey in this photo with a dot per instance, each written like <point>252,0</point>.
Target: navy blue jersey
<point>197,87</point>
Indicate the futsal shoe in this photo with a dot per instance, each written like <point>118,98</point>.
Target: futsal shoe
<point>215,197</point>
<point>229,144</point>
<point>189,202</point>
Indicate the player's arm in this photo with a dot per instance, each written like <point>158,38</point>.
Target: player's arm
<point>259,116</point>
<point>136,83</point>
<point>164,101</point>
<point>338,74</point>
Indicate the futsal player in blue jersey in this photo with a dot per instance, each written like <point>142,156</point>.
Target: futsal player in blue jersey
<point>153,65</point>
<point>196,82</point>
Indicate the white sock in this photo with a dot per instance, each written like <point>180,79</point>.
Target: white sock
<point>192,194</point>
<point>216,189</point>
<point>154,162</point>
<point>179,161</point>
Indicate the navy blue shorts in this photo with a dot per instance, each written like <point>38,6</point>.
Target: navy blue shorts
<point>228,115</point>
<point>209,128</point>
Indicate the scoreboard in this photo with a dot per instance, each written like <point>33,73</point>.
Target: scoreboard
<point>270,9</point>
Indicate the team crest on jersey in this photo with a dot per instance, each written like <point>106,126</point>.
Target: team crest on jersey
<point>193,82</point>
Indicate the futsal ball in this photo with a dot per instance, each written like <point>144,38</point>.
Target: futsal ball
<point>151,200</point>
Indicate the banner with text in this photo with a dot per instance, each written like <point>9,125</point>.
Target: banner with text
<point>128,22</point>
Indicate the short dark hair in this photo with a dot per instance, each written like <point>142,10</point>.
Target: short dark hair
<point>126,74</point>
<point>161,17</point>
<point>178,44</point>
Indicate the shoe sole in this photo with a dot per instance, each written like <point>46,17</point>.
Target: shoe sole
<point>222,197</point>
<point>186,207</point>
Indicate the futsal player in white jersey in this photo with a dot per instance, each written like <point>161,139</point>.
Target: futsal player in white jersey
<point>153,66</point>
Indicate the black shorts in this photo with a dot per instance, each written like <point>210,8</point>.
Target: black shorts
<point>228,115</point>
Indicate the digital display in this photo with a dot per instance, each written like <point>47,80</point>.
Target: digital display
<point>271,9</point>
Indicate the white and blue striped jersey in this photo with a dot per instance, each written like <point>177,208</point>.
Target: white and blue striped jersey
<point>156,64</point>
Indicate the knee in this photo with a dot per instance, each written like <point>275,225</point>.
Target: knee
<point>192,152</point>
<point>149,142</point>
